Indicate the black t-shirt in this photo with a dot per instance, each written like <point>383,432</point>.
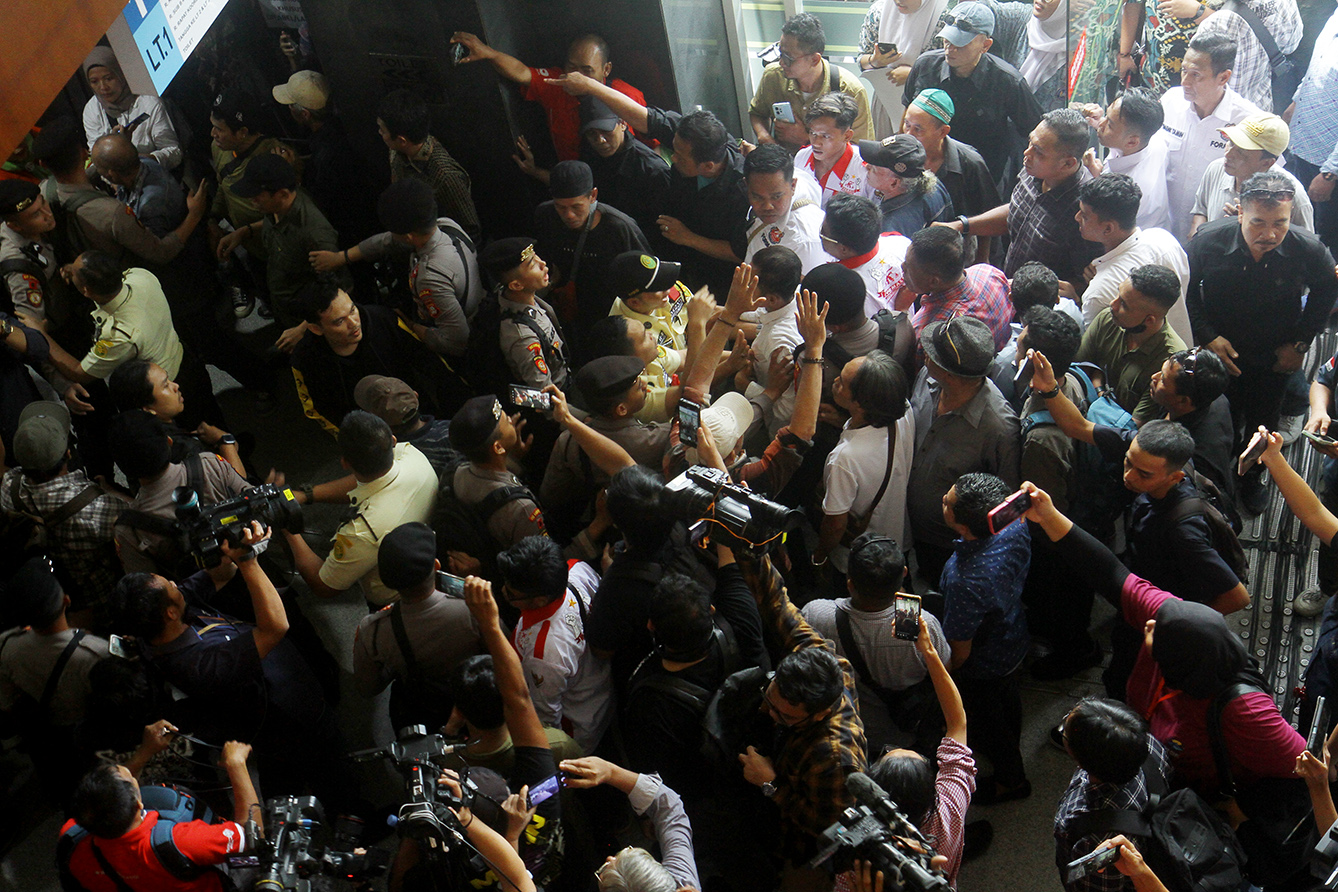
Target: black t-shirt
<point>556,244</point>
<point>635,181</point>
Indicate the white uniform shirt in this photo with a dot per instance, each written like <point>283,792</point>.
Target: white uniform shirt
<point>799,230</point>
<point>1218,189</point>
<point>855,470</point>
<point>775,329</point>
<point>882,272</point>
<point>1143,246</point>
<point>1148,169</point>
<point>848,175</point>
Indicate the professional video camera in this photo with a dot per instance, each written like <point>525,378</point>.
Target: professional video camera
<point>738,516</point>
<point>207,528</point>
<point>419,758</point>
<point>289,852</point>
<point>875,830</point>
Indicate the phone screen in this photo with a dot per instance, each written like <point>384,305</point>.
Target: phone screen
<point>530,398</point>
<point>546,788</point>
<point>1024,372</point>
<point>906,617</point>
<point>450,585</point>
<point>1009,510</point>
<point>1081,867</point>
<point>1319,439</point>
<point>689,419</point>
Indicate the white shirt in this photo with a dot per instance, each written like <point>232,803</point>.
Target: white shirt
<point>1143,246</point>
<point>855,470</point>
<point>848,175</point>
<point>882,273</point>
<point>1218,188</point>
<point>775,329</point>
<point>1191,144</point>
<point>154,136</point>
<point>1148,169</point>
<point>799,230</point>
<point>566,679</point>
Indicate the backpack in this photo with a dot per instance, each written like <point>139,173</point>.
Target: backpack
<point>462,527</point>
<point>173,553</point>
<point>1098,492</point>
<point>489,370</point>
<point>1186,842</point>
<point>26,532</point>
<point>175,805</point>
<point>896,338</point>
<point>1224,539</point>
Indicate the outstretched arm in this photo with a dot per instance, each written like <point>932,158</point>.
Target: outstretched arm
<point>1299,496</point>
<point>949,698</point>
<point>508,67</point>
<point>521,719</point>
<point>607,455</point>
<point>1067,416</point>
<point>625,107</point>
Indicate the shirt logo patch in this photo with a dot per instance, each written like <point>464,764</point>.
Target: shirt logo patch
<point>538,352</point>
<point>101,347</point>
<point>537,516</point>
<point>429,305</point>
<point>774,235</point>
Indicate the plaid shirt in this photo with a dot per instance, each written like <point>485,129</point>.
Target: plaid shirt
<point>1252,76</point>
<point>1315,123</point>
<point>82,545</point>
<point>983,293</point>
<point>813,759</point>
<point>1083,797</point>
<point>1042,227</point>
<point>435,166</point>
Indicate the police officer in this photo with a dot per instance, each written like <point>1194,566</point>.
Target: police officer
<point>414,644</point>
<point>443,265</point>
<point>27,261</point>
<point>529,335</point>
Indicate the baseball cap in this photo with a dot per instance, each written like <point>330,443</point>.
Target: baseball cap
<point>407,555</point>
<point>42,436</point>
<point>901,153</point>
<point>1268,133</point>
<point>727,419</point>
<point>308,89</point>
<point>265,173</point>
<point>968,21</point>
<point>389,399</point>
<point>633,273</point>
<point>236,109</point>
<point>962,346</point>
<point>596,115</point>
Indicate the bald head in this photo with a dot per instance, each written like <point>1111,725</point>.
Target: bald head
<point>116,159</point>
<point>589,55</point>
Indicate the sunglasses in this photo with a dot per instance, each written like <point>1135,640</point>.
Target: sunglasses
<point>1190,363</point>
<point>965,24</point>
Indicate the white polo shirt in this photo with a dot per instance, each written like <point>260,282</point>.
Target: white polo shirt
<point>848,175</point>
<point>881,272</point>
<point>1191,144</point>
<point>1143,246</point>
<point>854,471</point>
<point>1218,189</point>
<point>799,230</point>
<point>1148,169</point>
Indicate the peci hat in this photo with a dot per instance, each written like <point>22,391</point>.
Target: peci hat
<point>967,22</point>
<point>308,89</point>
<point>16,196</point>
<point>407,555</point>
<point>596,115</point>
<point>937,103</point>
<point>901,153</point>
<point>608,376</point>
<point>571,179</point>
<point>1268,133</point>
<point>727,419</point>
<point>962,346</point>
<point>475,425</point>
<point>632,273</point>
<point>33,596</point>
<point>265,173</point>
<point>43,436</point>
<point>389,399</point>
<point>407,205</point>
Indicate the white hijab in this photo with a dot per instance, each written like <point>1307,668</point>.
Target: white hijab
<point>909,32</point>
<point>1049,45</point>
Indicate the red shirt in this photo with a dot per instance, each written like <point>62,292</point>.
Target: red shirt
<point>564,112</point>
<point>133,858</point>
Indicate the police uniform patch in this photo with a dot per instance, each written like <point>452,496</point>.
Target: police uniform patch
<point>429,305</point>
<point>538,352</point>
<point>774,235</point>
<point>341,545</point>
<point>537,518</point>
<point>34,296</point>
<point>101,347</point>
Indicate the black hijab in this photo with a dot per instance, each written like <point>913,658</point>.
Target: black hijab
<point>1195,650</point>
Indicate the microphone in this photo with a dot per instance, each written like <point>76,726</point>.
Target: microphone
<point>867,793</point>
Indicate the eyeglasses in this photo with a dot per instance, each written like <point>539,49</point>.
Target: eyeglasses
<point>788,721</point>
<point>786,59</point>
<point>827,239</point>
<point>1269,194</point>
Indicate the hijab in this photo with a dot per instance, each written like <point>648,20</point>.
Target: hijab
<point>910,32</point>
<point>1049,45</point>
<point>1196,652</point>
<point>103,57</point>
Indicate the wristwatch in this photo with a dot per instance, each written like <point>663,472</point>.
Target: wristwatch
<point>227,440</point>
<point>768,789</point>
<point>6,328</point>
<point>966,223</point>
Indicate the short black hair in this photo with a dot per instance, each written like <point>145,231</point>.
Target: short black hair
<point>634,499</point>
<point>779,271</point>
<point>978,494</point>
<point>880,388</point>
<point>910,781</point>
<point>62,149</point>
<point>1208,380</point>
<point>854,221</point>
<point>940,250</point>
<point>534,567</point>
<point>608,337</point>
<point>841,288</point>
<point>1113,196</point>
<point>1220,50</point>
<point>405,114</point>
<point>317,295</point>
<point>810,677</point>
<point>838,106</point>
<point>1053,333</point>
<point>1157,283</point>
<point>707,136</point>
<point>1263,188</point>
<point>1034,285</point>
<point>876,566</point>
<point>366,443</point>
<point>100,273</point>
<point>1169,441</point>
<point>1108,739</point>
<point>137,605</point>
<point>806,29</point>
<point>1141,111</point>
<point>769,158</point>
<point>1071,130</point>
<point>680,611</point>
<point>474,687</point>
<point>129,385</point>
<point>104,802</point>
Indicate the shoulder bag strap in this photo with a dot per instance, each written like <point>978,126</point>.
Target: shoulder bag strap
<point>1261,33</point>
<point>1218,744</point>
<point>121,884</point>
<point>81,501</point>
<point>402,637</point>
<point>195,474</point>
<point>53,679</point>
<point>856,659</point>
<point>1109,820</point>
<point>887,474</point>
<point>833,78</point>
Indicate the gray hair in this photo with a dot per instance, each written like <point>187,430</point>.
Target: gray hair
<point>635,870</point>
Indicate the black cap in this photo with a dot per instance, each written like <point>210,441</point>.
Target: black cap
<point>236,109</point>
<point>407,555</point>
<point>596,115</point>
<point>33,596</point>
<point>408,205</point>
<point>139,444</point>
<point>476,422</point>
<point>505,254</point>
<point>571,179</point>
<point>902,154</point>
<point>632,273</point>
<point>16,196</point>
<point>608,376</point>
<point>265,173</point>
<point>57,137</point>
<point>840,287</point>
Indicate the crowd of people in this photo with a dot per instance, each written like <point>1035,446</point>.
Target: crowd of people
<point>755,464</point>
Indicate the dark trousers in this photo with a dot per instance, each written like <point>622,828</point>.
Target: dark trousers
<point>1326,212</point>
<point>930,560</point>
<point>994,717</point>
<point>1256,398</point>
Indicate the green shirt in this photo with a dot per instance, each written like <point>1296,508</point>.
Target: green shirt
<point>1128,372</point>
<point>288,242</point>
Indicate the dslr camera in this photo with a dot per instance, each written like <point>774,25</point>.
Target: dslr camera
<point>205,529</point>
<point>738,516</point>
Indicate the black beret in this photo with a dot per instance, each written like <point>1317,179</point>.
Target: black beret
<point>505,254</point>
<point>571,179</point>
<point>16,196</point>
<point>476,422</point>
<point>33,596</point>
<point>608,376</point>
<point>407,555</point>
<point>409,205</point>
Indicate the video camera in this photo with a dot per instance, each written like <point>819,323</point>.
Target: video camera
<point>875,830</point>
<point>739,516</point>
<point>207,528</point>
<point>419,758</point>
<point>289,855</point>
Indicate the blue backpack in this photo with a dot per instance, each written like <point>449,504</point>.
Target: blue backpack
<point>1098,494</point>
<point>174,805</point>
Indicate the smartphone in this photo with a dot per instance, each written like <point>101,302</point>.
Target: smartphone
<point>1251,454</point>
<point>1009,510</point>
<point>116,647</point>
<point>887,48</point>
<point>454,586</point>
<point>528,397</point>
<point>546,788</point>
<point>458,52</point>
<point>783,111</point>
<point>1319,439</point>
<point>135,123</point>
<point>906,617</point>
<point>1023,376</point>
<point>689,419</point>
<point>1314,741</point>
<point>1093,862</point>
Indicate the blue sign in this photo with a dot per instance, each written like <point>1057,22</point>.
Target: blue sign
<point>156,42</point>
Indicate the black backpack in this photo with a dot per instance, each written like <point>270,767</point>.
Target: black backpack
<point>462,527</point>
<point>1224,538</point>
<point>896,338</point>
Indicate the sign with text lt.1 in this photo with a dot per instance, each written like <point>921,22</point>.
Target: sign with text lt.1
<point>167,31</point>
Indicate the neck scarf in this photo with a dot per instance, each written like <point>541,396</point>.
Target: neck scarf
<point>910,32</point>
<point>103,57</point>
<point>1049,45</point>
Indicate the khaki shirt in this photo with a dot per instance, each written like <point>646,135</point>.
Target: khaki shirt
<point>670,322</point>
<point>776,87</point>
<point>1128,372</point>
<point>404,494</point>
<point>136,324</point>
<point>511,522</point>
<point>227,204</point>
<point>26,290</point>
<point>571,476</point>
<point>106,224</point>
<point>524,354</point>
<point>27,660</point>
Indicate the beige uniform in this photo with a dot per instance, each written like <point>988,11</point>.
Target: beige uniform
<point>570,475</point>
<point>136,324</point>
<point>529,363</point>
<point>106,224</point>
